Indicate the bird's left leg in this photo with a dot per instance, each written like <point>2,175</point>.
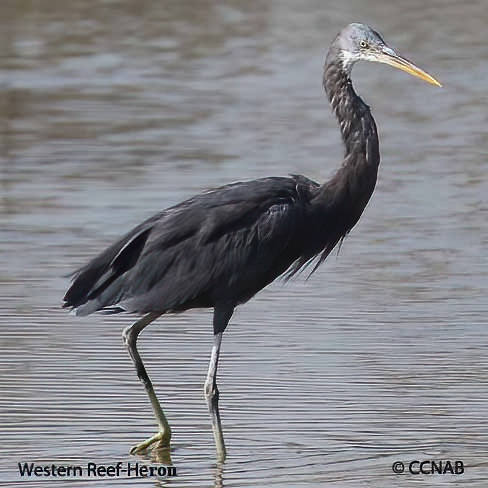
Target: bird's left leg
<point>130,334</point>
<point>221,319</point>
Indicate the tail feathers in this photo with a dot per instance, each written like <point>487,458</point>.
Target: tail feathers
<point>93,279</point>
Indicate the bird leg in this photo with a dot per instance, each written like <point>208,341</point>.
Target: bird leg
<point>163,437</point>
<point>220,321</point>
<point>212,396</point>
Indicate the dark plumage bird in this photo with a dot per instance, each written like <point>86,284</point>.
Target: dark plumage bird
<point>219,248</point>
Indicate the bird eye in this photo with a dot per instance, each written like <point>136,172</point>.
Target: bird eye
<point>363,43</point>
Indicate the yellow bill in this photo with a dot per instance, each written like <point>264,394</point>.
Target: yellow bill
<point>390,57</point>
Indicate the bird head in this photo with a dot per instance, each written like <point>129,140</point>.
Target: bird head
<point>358,42</point>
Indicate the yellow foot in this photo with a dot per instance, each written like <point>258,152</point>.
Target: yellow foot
<point>161,440</point>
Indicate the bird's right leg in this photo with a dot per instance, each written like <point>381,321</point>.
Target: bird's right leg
<point>222,316</point>
<point>163,437</point>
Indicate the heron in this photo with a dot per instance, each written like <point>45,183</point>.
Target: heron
<point>219,248</point>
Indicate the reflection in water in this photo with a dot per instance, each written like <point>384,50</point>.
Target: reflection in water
<point>110,111</point>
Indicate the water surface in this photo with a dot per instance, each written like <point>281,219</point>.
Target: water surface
<point>111,111</point>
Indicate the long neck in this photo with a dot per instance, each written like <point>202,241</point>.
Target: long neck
<point>357,124</point>
<point>352,186</point>
<point>338,204</point>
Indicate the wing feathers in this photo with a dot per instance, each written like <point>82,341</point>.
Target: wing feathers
<point>233,235</point>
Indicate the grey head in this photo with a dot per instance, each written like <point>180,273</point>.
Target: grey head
<point>359,42</point>
<point>356,42</point>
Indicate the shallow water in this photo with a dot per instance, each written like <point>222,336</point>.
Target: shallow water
<point>113,110</point>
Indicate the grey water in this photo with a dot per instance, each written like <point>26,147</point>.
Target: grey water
<point>113,110</point>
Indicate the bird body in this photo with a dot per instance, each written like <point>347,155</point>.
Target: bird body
<point>221,245</point>
<point>219,248</point>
